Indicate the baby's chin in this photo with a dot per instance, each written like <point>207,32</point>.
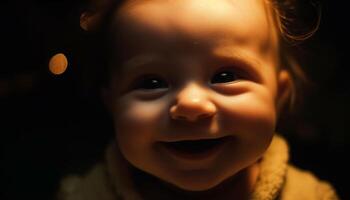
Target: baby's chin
<point>197,184</point>
<point>214,183</point>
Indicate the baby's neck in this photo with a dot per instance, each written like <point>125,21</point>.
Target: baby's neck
<point>237,187</point>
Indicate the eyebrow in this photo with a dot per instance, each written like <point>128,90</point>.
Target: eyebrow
<point>242,58</point>
<point>139,60</point>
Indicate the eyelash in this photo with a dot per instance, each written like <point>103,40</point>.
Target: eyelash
<point>150,82</point>
<point>153,82</point>
<point>226,75</point>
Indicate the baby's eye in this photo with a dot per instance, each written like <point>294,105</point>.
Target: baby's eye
<point>150,83</point>
<point>224,76</point>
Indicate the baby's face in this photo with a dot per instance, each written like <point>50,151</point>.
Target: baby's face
<point>195,99</point>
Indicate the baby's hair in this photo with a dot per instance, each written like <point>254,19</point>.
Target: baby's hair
<point>289,18</point>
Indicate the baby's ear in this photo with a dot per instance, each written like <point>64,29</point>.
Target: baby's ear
<point>285,92</point>
<point>91,18</point>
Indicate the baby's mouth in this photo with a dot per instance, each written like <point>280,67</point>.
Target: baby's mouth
<point>195,149</point>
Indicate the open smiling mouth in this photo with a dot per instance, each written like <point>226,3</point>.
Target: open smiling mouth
<point>195,149</point>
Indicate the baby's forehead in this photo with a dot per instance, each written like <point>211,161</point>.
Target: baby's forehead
<point>155,23</point>
<point>197,17</point>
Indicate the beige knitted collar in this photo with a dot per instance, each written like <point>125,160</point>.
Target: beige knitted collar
<point>271,179</point>
<point>273,170</point>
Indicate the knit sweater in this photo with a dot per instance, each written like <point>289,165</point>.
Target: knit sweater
<point>277,180</point>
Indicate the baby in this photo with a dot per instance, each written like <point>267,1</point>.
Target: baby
<point>195,89</point>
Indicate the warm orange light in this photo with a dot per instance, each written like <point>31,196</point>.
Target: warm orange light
<point>58,64</point>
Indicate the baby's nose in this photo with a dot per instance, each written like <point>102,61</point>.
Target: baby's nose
<point>192,103</point>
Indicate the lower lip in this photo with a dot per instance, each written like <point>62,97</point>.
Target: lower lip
<point>204,155</point>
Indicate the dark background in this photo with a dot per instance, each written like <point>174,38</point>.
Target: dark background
<point>48,128</point>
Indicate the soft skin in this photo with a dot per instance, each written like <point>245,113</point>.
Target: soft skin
<point>180,47</point>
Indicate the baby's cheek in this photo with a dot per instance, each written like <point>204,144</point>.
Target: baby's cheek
<point>138,118</point>
<point>251,121</point>
<point>136,127</point>
<point>250,116</point>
